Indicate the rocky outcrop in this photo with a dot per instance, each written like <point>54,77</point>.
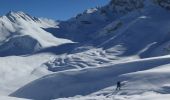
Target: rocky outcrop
<point>164,3</point>
<point>126,5</point>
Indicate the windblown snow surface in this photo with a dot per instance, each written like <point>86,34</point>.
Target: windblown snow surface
<point>83,58</point>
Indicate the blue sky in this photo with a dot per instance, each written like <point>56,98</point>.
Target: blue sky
<point>55,9</point>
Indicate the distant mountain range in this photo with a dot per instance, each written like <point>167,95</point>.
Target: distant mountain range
<point>121,22</point>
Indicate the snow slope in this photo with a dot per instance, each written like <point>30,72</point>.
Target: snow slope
<point>11,98</point>
<point>17,71</point>
<point>145,96</point>
<point>87,81</point>
<point>146,28</point>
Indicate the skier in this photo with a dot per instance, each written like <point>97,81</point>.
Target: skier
<point>118,85</point>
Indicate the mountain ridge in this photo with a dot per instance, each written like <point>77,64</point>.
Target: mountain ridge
<point>22,26</point>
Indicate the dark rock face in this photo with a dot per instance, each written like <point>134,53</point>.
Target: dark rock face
<point>164,3</point>
<point>126,5</point>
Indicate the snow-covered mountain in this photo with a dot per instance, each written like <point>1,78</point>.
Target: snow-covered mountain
<point>22,34</point>
<point>83,58</point>
<point>133,28</point>
<point>94,19</point>
<point>121,22</point>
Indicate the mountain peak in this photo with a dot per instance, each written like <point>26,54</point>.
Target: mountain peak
<point>91,10</point>
<point>18,13</point>
<point>13,16</point>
